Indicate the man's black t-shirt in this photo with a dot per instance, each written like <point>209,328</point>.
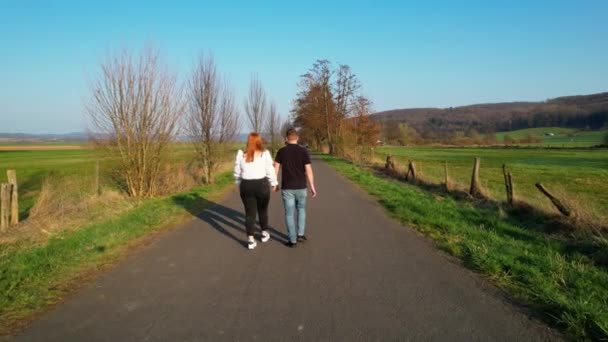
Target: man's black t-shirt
<point>293,158</point>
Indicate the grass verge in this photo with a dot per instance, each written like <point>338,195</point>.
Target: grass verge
<point>564,287</point>
<point>33,277</point>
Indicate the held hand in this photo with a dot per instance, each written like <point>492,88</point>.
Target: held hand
<point>275,189</point>
<point>313,191</point>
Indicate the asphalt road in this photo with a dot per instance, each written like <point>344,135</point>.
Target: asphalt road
<point>361,277</point>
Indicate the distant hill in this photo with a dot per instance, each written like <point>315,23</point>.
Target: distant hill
<point>24,137</point>
<point>71,137</point>
<point>581,112</point>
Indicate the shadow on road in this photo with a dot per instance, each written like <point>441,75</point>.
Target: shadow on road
<point>227,221</point>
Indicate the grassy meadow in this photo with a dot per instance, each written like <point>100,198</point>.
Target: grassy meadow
<point>36,164</point>
<point>33,167</point>
<point>562,137</point>
<point>577,175</point>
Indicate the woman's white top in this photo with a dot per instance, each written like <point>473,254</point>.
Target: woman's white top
<point>260,167</point>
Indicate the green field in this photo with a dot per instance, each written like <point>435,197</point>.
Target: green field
<point>563,137</point>
<point>576,174</point>
<point>34,166</point>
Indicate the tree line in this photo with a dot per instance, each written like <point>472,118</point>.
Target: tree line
<point>444,125</point>
<point>138,107</point>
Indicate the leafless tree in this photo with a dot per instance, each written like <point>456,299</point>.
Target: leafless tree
<point>212,120</point>
<point>134,109</point>
<point>345,89</point>
<point>272,128</point>
<point>255,105</point>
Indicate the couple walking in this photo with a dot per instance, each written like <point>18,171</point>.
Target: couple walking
<point>256,174</point>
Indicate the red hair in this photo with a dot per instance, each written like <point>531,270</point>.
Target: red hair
<point>254,143</point>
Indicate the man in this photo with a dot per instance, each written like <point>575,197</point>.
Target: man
<point>294,163</point>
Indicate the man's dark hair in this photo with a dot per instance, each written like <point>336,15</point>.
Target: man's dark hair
<point>291,133</point>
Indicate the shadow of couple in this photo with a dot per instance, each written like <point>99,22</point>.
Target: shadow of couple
<point>226,221</point>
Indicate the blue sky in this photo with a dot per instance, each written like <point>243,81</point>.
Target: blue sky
<point>406,54</point>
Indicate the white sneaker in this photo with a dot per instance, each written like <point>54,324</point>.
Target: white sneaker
<point>252,244</point>
<point>265,236</point>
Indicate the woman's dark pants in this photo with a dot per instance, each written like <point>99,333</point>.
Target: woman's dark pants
<point>255,194</point>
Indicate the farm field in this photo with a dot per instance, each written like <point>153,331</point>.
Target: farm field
<point>577,175</point>
<point>36,163</point>
<point>34,166</point>
<point>562,137</point>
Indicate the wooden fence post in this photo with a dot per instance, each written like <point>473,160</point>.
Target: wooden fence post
<point>5,204</point>
<point>12,179</point>
<point>447,177</point>
<point>508,184</point>
<point>390,165</point>
<point>97,186</point>
<point>565,210</point>
<point>511,197</point>
<point>475,188</point>
<point>373,154</point>
<point>411,169</point>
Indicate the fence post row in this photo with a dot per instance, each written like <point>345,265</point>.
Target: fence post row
<point>475,185</point>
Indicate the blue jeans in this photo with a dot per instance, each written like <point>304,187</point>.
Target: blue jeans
<point>292,200</point>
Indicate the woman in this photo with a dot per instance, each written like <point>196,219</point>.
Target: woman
<point>254,173</point>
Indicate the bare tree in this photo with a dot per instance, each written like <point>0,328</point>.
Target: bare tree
<point>212,115</point>
<point>255,105</point>
<point>134,109</point>
<point>272,128</point>
<point>345,89</point>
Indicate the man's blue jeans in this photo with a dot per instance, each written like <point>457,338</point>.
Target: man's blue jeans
<point>292,200</point>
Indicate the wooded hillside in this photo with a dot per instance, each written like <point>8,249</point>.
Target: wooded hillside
<point>582,112</point>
